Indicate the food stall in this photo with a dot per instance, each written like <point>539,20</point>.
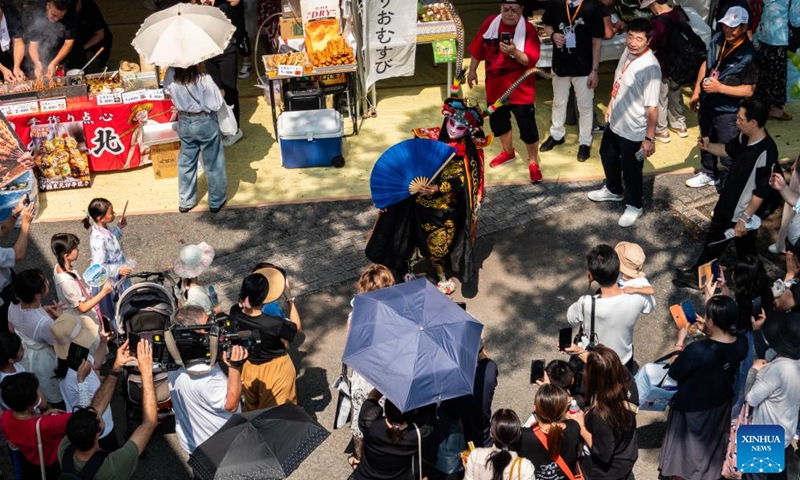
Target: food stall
<point>75,124</point>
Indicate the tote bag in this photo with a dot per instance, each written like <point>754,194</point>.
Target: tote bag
<point>656,387</point>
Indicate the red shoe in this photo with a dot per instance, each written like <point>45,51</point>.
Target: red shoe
<point>536,173</point>
<point>503,158</point>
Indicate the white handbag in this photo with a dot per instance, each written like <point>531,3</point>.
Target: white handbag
<point>227,122</point>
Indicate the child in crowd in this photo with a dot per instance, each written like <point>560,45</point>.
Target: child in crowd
<point>191,262</point>
<point>107,248</point>
<point>631,278</point>
<point>558,373</point>
<point>69,287</point>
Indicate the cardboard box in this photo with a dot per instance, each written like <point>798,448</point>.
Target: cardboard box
<point>165,160</point>
<point>291,28</point>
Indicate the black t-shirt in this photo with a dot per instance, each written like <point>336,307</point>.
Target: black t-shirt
<point>380,458</point>
<point>736,66</point>
<point>476,419</point>
<point>698,369</point>
<point>741,185</point>
<point>13,20</point>
<point>50,36</point>
<point>531,448</point>
<point>613,453</point>
<point>90,20</point>
<point>586,25</point>
<point>272,329</point>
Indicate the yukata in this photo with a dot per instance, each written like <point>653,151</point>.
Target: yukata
<point>107,251</point>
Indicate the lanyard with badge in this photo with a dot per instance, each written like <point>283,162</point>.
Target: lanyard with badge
<point>722,55</point>
<point>627,64</point>
<point>569,32</point>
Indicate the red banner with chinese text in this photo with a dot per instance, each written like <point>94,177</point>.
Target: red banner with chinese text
<point>113,132</point>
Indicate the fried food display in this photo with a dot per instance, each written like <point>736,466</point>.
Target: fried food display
<point>271,62</point>
<point>60,157</point>
<point>336,52</point>
<point>104,84</point>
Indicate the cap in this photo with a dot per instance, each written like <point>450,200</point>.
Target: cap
<point>734,17</point>
<point>646,3</point>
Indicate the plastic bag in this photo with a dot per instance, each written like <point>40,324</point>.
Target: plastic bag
<point>227,122</point>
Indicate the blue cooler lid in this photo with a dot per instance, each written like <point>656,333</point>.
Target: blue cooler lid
<point>310,124</point>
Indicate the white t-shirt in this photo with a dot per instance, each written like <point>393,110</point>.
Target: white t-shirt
<point>639,88</point>
<point>199,404</point>
<point>3,375</point>
<point>70,293</point>
<point>69,391</point>
<point>775,395</point>
<point>638,282</point>
<point>614,319</point>
<point>476,466</point>
<point>197,295</point>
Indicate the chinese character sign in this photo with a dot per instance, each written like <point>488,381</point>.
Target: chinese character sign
<point>391,39</point>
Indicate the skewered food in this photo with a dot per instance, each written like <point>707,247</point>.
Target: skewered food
<point>336,52</point>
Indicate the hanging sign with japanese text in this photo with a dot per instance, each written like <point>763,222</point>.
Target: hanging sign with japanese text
<point>391,39</point>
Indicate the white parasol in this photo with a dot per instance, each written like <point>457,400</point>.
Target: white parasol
<point>183,35</point>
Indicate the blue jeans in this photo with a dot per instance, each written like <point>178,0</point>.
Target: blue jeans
<point>201,133</point>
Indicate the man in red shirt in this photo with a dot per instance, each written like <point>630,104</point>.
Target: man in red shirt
<point>509,45</point>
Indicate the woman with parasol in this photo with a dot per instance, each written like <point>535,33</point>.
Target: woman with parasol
<point>438,223</point>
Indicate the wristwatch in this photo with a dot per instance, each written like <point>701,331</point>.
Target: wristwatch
<point>649,139</point>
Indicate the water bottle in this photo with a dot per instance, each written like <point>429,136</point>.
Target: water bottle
<point>573,407</point>
<point>212,294</point>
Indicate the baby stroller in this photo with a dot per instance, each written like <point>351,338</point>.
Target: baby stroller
<point>145,311</point>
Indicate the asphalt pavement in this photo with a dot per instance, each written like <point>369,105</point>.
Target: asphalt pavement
<point>530,248</point>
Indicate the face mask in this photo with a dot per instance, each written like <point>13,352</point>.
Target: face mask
<point>455,130</point>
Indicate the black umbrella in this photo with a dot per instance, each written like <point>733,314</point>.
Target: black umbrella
<point>264,444</point>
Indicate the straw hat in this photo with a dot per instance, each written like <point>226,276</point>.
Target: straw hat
<point>81,330</point>
<point>276,280</point>
<point>193,260</point>
<point>631,259</point>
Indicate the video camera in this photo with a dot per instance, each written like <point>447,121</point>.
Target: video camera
<point>202,344</point>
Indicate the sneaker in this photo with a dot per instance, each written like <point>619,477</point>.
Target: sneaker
<point>663,137</point>
<point>598,129</point>
<point>682,132</point>
<point>503,158</point>
<point>231,139</point>
<point>701,179</point>
<point>583,153</point>
<point>605,195</point>
<point>630,216</point>
<point>549,144</point>
<point>773,249</point>
<point>536,173</point>
<point>247,69</point>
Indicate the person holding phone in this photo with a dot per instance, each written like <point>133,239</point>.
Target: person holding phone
<point>507,57</point>
<point>10,255</point>
<point>699,417</point>
<point>746,193</point>
<point>79,377</point>
<point>70,289</point>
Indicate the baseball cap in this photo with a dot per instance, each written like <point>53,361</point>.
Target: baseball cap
<point>734,17</point>
<point>646,3</point>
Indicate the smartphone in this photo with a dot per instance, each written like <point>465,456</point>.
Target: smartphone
<point>688,310</point>
<point>76,355</point>
<point>537,370</point>
<point>27,200</point>
<point>564,338</point>
<point>776,169</point>
<point>708,273</point>
<point>106,324</point>
<point>716,271</point>
<point>640,155</point>
<point>505,37</point>
<point>757,307</point>
<point>133,342</point>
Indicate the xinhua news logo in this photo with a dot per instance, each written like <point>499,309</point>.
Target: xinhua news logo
<point>759,449</point>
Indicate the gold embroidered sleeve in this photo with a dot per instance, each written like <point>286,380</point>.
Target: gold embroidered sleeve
<point>445,187</point>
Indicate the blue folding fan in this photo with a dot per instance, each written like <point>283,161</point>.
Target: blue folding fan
<point>405,167</point>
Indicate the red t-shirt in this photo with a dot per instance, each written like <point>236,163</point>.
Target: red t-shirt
<point>22,433</point>
<point>501,70</point>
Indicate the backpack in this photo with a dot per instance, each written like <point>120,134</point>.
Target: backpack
<point>686,52</point>
<point>89,469</point>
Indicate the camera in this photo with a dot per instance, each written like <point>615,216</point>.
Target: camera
<point>203,344</point>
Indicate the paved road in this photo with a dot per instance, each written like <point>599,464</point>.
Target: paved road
<point>531,245</point>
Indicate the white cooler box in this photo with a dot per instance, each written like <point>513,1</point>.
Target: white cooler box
<point>311,138</point>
